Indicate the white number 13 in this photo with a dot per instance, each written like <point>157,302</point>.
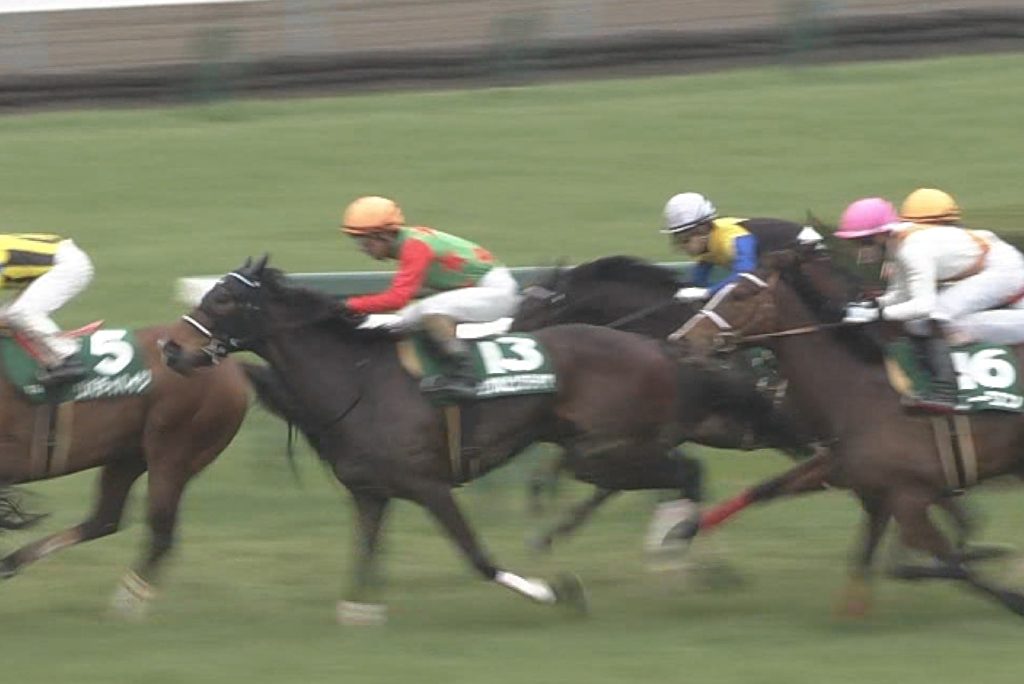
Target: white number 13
<point>520,356</point>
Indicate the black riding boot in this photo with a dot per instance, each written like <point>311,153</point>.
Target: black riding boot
<point>69,370</point>
<point>459,382</point>
<point>933,353</point>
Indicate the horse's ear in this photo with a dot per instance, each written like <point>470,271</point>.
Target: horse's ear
<point>817,224</point>
<point>780,260</point>
<point>258,267</point>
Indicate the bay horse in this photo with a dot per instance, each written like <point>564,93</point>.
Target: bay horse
<point>618,399</point>
<point>628,293</point>
<point>887,457</point>
<point>171,431</point>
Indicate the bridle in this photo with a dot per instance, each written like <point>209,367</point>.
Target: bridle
<point>727,339</point>
<point>218,346</point>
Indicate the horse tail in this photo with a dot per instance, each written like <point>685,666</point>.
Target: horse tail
<point>275,396</point>
<point>13,515</point>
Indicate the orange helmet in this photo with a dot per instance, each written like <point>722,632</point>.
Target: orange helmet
<point>928,205</point>
<point>372,214</point>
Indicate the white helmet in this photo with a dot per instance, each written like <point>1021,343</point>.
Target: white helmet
<point>687,210</point>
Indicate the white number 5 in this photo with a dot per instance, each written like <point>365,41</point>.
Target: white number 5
<point>111,345</point>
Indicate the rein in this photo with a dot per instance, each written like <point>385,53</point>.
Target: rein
<point>642,313</point>
<point>803,330</point>
<point>726,328</point>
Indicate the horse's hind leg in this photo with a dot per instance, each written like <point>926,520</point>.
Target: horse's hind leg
<point>115,481</point>
<point>437,498</point>
<point>918,531</point>
<point>360,607</point>
<point>571,520</point>
<point>966,527</point>
<point>543,481</point>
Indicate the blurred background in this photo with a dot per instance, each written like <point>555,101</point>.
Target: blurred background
<point>174,139</point>
<point>68,50</point>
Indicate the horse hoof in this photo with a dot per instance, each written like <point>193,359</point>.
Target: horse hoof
<point>353,614</point>
<point>7,569</point>
<point>131,599</point>
<point>570,594</point>
<point>973,553</point>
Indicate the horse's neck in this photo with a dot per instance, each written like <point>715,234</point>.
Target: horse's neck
<point>823,373</point>
<point>322,370</point>
<point>621,305</point>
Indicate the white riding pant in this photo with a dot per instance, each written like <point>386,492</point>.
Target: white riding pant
<point>1000,280</point>
<point>30,311</point>
<point>495,296</point>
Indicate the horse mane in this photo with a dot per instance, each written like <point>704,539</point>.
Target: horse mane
<point>828,309</point>
<point>624,269</point>
<point>308,306</point>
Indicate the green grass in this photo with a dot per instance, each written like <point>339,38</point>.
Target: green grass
<point>533,173</point>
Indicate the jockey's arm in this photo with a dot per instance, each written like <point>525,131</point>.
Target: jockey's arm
<point>916,275</point>
<point>701,273</point>
<point>744,260</point>
<point>413,262</point>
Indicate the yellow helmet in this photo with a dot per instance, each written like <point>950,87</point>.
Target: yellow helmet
<point>928,205</point>
<point>372,214</point>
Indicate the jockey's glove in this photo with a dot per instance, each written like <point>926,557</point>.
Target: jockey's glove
<point>353,318</point>
<point>692,294</point>
<point>856,314</point>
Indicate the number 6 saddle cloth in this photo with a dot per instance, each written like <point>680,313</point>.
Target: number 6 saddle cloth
<point>987,375</point>
<point>504,365</point>
<point>112,356</point>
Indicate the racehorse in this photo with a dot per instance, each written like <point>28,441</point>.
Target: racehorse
<point>631,294</point>
<point>171,430</point>
<point>887,457</point>
<point>617,399</point>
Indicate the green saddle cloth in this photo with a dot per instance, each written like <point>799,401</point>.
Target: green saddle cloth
<point>112,356</point>
<point>504,365</point>
<point>987,376</point>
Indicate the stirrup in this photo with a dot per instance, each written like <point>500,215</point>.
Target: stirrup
<point>455,386</point>
<point>927,404</point>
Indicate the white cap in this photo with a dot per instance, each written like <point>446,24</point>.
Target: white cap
<point>686,210</point>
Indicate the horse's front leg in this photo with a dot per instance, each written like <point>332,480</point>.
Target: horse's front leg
<point>115,481</point>
<point>436,497</point>
<point>168,474</point>
<point>856,600</point>
<point>360,607</point>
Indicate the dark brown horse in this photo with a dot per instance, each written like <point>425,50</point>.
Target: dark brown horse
<point>618,399</point>
<point>627,293</point>
<point>888,458</point>
<point>171,431</point>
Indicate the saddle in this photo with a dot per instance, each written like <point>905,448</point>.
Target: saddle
<point>987,375</point>
<point>26,343</point>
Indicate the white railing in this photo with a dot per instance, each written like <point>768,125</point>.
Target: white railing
<point>23,6</point>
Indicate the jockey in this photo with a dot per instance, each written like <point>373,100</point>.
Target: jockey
<point>52,270</point>
<point>733,243</point>
<point>939,272</point>
<point>472,287</point>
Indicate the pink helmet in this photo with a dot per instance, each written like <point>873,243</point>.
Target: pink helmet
<point>867,216</point>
